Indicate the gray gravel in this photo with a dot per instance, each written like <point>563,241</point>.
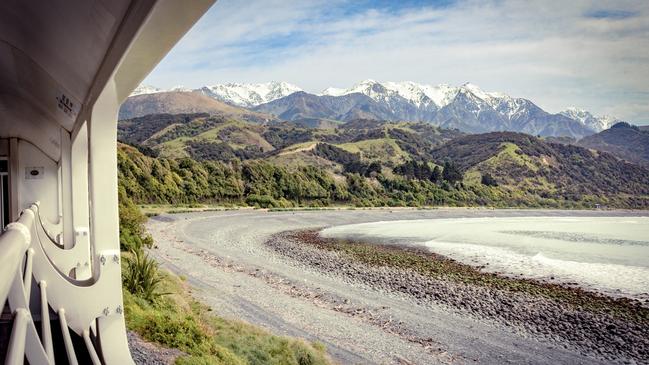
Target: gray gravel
<point>146,353</point>
<point>224,257</point>
<point>601,335</point>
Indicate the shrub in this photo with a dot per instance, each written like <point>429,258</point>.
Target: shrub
<point>262,201</point>
<point>451,172</point>
<point>178,321</point>
<point>488,180</point>
<point>140,276</point>
<point>132,236</point>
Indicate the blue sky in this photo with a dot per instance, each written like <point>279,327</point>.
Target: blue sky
<point>589,54</point>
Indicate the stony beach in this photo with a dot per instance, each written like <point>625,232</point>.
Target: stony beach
<point>273,270</point>
<point>590,323</point>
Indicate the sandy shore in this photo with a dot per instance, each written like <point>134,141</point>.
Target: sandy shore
<point>225,256</point>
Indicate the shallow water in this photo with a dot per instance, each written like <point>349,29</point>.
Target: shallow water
<point>605,254</point>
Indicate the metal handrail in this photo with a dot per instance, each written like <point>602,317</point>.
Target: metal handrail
<point>23,260</point>
<point>14,243</point>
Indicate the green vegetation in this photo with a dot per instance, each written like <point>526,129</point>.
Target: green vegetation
<point>622,140</point>
<point>132,237</point>
<point>364,163</point>
<point>159,307</point>
<point>177,321</point>
<point>140,276</point>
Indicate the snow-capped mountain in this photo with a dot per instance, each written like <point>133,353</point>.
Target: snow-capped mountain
<point>417,94</point>
<point>180,88</point>
<point>239,94</point>
<point>597,124</point>
<point>466,107</point>
<point>145,89</point>
<point>249,95</point>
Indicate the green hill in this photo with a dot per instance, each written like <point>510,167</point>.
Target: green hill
<point>528,165</point>
<point>202,158</point>
<point>206,137</point>
<point>628,142</point>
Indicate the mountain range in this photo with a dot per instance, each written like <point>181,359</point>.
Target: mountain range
<point>466,107</point>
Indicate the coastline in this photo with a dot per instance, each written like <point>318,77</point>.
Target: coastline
<point>591,323</point>
<point>157,209</point>
<point>224,256</point>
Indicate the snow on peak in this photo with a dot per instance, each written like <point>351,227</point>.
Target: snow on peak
<point>490,97</point>
<point>475,90</point>
<point>333,91</point>
<point>419,95</point>
<point>576,113</point>
<point>441,94</point>
<point>145,89</point>
<point>596,123</point>
<point>249,95</point>
<point>181,88</point>
<point>415,93</point>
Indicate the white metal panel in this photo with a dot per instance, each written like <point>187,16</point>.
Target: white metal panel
<point>42,187</point>
<point>68,38</point>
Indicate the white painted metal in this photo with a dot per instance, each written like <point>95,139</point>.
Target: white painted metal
<point>27,276</point>
<point>16,352</point>
<point>68,293</point>
<point>46,328</point>
<point>65,164</point>
<point>17,298</point>
<point>91,348</point>
<point>3,185</point>
<point>76,258</point>
<point>59,100</point>
<point>67,340</point>
<point>13,245</point>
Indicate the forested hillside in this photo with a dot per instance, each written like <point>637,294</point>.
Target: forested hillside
<point>623,140</point>
<point>259,183</point>
<point>209,159</point>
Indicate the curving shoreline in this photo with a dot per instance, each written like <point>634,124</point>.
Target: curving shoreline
<point>611,329</point>
<point>225,259</point>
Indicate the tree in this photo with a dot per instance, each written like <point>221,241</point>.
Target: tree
<point>373,169</point>
<point>436,175</point>
<point>451,172</point>
<point>488,180</point>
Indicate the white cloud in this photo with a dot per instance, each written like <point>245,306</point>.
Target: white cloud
<point>549,51</point>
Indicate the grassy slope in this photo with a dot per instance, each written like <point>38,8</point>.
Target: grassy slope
<point>240,135</point>
<point>384,149</point>
<point>178,321</point>
<point>528,171</point>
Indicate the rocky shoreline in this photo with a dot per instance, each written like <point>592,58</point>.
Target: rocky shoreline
<point>612,330</point>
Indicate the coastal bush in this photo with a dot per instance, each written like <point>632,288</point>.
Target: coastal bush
<point>132,236</point>
<point>159,307</point>
<point>140,276</point>
<point>488,180</point>
<point>178,321</point>
<point>528,173</point>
